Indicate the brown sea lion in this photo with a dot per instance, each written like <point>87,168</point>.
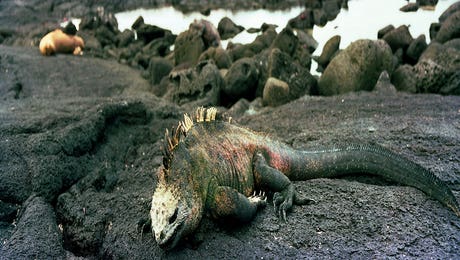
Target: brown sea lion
<point>59,42</point>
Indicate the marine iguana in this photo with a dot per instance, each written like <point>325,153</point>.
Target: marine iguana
<point>214,167</point>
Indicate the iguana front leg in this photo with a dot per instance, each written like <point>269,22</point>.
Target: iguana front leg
<point>226,202</point>
<point>267,177</point>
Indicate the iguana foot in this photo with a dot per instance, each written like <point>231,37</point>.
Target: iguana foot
<point>283,200</point>
<point>258,199</point>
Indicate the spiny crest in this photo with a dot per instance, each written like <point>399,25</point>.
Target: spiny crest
<point>172,140</point>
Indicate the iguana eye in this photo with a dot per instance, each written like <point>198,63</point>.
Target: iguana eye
<point>174,216</point>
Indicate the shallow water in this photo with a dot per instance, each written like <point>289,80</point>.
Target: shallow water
<point>362,20</point>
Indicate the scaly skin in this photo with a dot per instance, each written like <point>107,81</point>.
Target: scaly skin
<point>215,167</point>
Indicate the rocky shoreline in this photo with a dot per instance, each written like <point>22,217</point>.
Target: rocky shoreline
<point>80,136</point>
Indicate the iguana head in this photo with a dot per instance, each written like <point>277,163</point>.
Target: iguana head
<point>176,210</point>
<point>177,203</point>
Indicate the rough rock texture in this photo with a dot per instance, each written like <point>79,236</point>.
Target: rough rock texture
<point>241,80</point>
<point>436,71</point>
<point>398,38</point>
<point>329,50</point>
<point>450,28</point>
<point>85,135</point>
<point>228,29</point>
<point>276,92</point>
<point>356,68</point>
<point>197,86</point>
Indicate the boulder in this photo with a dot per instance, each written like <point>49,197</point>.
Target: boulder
<point>228,29</point>
<point>263,41</point>
<point>409,7</point>
<point>426,2</point>
<point>199,86</point>
<point>158,69</point>
<point>384,85</point>
<point>148,32</point>
<point>286,41</point>
<point>306,40</point>
<point>450,28</point>
<point>416,48</point>
<point>303,21</point>
<point>281,66</point>
<point>241,80</point>
<point>125,38</point>
<point>188,47</point>
<point>435,72</point>
<point>452,86</point>
<point>220,57</point>
<point>331,8</point>
<point>356,68</point>
<point>398,38</point>
<point>404,79</point>
<point>384,31</point>
<point>319,17</point>
<point>207,31</point>
<point>454,43</point>
<point>329,50</point>
<point>449,11</point>
<point>276,92</point>
<point>434,29</point>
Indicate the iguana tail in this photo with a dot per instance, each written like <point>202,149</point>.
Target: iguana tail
<point>370,159</point>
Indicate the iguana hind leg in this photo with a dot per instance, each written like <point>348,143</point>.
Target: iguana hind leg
<point>227,202</point>
<point>267,177</point>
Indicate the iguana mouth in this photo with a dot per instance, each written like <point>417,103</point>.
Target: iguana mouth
<point>171,241</point>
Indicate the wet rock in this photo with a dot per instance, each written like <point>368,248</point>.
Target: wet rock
<point>220,57</point>
<point>99,18</point>
<point>199,86</point>
<point>416,49</point>
<point>449,11</point>
<point>303,21</point>
<point>276,92</point>
<point>281,66</point>
<point>356,68</point>
<point>409,7</point>
<point>241,80</point>
<point>158,69</point>
<point>286,41</point>
<point>384,31</point>
<point>398,38</point>
<point>228,29</point>
<point>329,50</point>
<point>450,28</point>
<point>36,234</point>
